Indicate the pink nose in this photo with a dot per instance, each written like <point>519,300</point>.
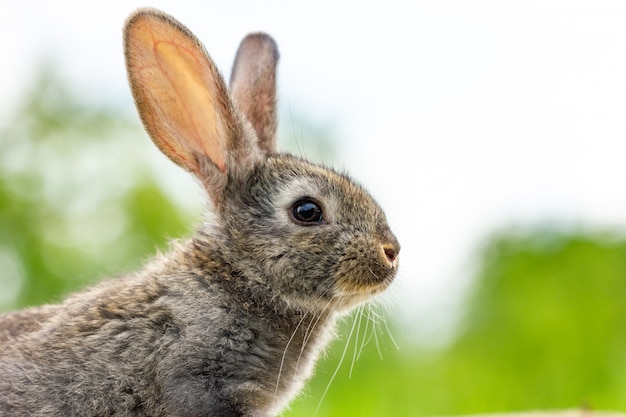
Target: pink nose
<point>391,252</point>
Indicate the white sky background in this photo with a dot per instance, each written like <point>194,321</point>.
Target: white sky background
<point>461,117</point>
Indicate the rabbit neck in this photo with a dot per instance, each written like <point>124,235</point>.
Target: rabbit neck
<point>271,338</point>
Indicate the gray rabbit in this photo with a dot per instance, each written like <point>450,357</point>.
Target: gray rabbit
<point>231,321</point>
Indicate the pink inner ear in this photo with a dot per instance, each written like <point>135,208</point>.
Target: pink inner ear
<point>190,100</point>
<point>182,108</point>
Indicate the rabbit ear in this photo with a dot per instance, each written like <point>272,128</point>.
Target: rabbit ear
<point>253,84</point>
<point>183,101</point>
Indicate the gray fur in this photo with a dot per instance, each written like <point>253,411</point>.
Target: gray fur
<point>227,323</point>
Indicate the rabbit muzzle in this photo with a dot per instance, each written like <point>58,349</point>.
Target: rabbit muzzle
<point>364,273</point>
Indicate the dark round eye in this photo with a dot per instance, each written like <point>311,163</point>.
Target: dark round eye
<point>307,211</point>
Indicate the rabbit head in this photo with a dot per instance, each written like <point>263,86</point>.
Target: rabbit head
<point>311,234</point>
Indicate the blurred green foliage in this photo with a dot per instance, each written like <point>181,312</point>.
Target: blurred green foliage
<point>545,328</point>
<point>545,325</point>
<point>77,201</point>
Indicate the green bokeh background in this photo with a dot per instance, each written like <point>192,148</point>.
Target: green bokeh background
<point>544,325</point>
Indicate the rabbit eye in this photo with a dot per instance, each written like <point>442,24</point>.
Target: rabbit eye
<point>307,211</point>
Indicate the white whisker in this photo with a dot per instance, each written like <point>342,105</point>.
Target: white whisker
<point>376,317</point>
<point>332,378</point>
<point>375,332</point>
<point>310,329</point>
<point>372,272</point>
<point>359,313</point>
<point>282,361</point>
<point>393,340</point>
<point>364,341</point>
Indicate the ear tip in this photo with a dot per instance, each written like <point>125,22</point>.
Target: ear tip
<point>152,17</point>
<point>133,25</point>
<point>142,13</point>
<point>260,41</point>
<point>259,37</point>
<point>149,20</point>
<point>134,20</point>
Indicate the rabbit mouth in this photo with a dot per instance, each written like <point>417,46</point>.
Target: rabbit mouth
<point>366,281</point>
<point>353,295</point>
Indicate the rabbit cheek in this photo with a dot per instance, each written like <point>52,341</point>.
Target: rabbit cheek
<point>303,272</point>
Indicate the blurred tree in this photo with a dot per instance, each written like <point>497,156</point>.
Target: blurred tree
<point>77,200</point>
<point>546,326</point>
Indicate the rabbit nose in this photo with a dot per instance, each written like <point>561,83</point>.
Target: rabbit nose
<point>391,251</point>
